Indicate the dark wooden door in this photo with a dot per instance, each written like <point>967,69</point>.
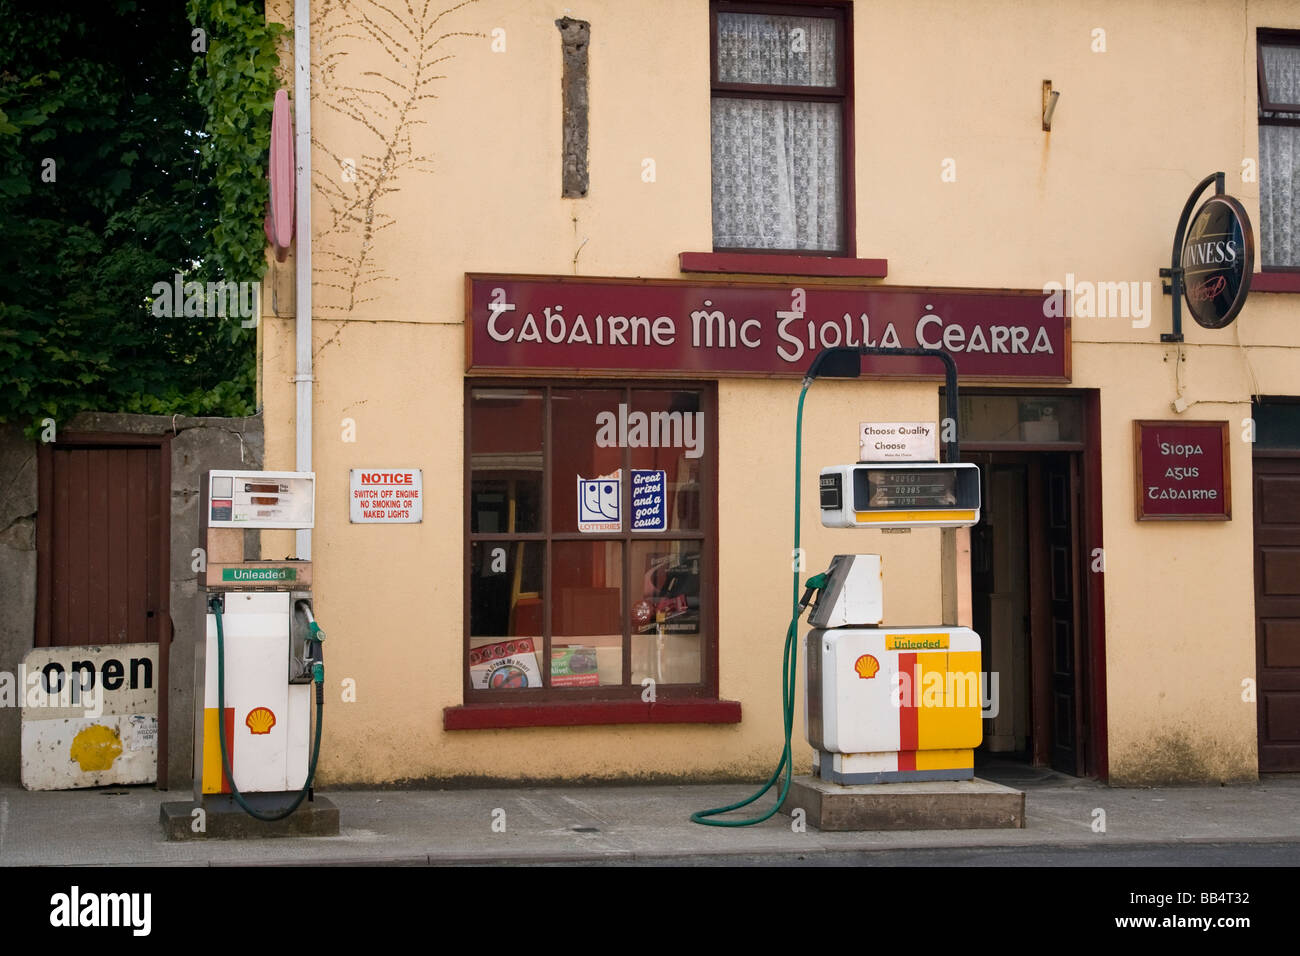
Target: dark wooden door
<point>1277,611</point>
<point>1060,473</point>
<point>105,547</point>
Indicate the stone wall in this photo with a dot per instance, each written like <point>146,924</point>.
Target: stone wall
<point>198,445</point>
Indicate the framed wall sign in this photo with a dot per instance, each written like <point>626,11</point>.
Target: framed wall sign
<point>1182,471</point>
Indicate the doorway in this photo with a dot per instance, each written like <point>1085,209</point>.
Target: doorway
<point>1276,481</point>
<point>104,549</point>
<point>1035,560</point>
<point>1025,588</point>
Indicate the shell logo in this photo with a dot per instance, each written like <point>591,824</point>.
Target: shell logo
<point>866,666</point>
<point>260,720</point>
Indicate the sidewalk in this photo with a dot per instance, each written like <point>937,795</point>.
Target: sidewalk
<point>571,824</point>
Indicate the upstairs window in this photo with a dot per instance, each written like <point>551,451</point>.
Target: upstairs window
<point>1279,149</point>
<point>780,128</point>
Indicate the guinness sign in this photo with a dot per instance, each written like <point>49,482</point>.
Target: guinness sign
<point>1218,257</point>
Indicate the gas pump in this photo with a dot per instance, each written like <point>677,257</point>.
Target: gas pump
<point>253,743</point>
<point>882,704</point>
<point>890,704</point>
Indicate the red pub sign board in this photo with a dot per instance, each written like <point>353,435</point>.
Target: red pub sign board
<point>653,327</point>
<point>1182,471</point>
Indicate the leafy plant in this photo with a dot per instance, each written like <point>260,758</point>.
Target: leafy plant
<point>117,172</point>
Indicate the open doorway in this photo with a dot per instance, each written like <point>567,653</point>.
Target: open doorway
<point>1035,583</point>
<point>1025,603</point>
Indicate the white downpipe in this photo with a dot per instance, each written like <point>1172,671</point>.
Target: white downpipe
<point>302,208</point>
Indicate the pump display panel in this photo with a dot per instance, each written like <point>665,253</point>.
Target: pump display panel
<point>905,495</point>
<point>260,499</point>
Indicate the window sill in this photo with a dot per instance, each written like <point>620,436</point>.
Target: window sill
<point>783,265</point>
<point>586,713</point>
<point>1275,282</point>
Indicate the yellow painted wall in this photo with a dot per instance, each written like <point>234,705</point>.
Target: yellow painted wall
<point>475,187</point>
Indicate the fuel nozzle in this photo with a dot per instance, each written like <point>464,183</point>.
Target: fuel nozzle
<point>315,658</point>
<point>814,584</point>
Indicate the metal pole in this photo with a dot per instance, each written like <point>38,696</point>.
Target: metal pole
<point>1175,271</point>
<point>833,361</point>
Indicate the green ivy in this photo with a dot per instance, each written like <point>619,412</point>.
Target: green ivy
<point>236,83</point>
<point>127,156</point>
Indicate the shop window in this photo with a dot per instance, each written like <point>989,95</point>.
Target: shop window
<point>780,128</point>
<point>590,543</point>
<point>1279,149</point>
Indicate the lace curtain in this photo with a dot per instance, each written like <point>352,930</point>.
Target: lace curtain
<point>776,163</point>
<point>1279,163</point>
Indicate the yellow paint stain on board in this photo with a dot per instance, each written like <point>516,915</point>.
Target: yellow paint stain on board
<point>96,747</point>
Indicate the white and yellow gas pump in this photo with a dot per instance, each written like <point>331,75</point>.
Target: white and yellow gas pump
<point>882,704</point>
<point>890,704</point>
<point>254,746</point>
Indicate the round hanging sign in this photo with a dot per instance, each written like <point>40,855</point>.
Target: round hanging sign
<point>1218,258</point>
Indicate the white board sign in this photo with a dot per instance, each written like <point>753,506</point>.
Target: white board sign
<point>386,495</point>
<point>89,715</point>
<point>897,441</point>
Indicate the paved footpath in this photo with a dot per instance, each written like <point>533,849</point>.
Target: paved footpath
<point>120,826</point>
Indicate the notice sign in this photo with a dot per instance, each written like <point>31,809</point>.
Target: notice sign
<point>1182,471</point>
<point>649,500</point>
<point>897,441</point>
<point>386,495</point>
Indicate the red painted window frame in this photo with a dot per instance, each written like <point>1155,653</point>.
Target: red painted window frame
<point>1274,278</point>
<point>609,705</point>
<point>843,93</point>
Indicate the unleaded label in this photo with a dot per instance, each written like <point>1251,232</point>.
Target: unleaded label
<point>259,574</point>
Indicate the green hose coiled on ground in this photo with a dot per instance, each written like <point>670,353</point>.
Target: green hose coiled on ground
<point>789,663</point>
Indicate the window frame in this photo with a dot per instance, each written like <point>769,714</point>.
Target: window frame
<point>559,699</point>
<point>1284,278</point>
<point>1266,36</point>
<point>842,93</point>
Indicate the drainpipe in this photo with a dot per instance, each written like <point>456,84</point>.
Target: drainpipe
<point>302,290</point>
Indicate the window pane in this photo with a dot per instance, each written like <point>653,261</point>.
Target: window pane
<point>776,51</point>
<point>1020,418</point>
<point>505,614</point>
<point>666,434</point>
<point>586,449</point>
<point>776,174</point>
<point>1282,74</point>
<point>1279,195</point>
<point>505,460</point>
<point>586,614</point>
<point>1277,425</point>
<point>665,613</point>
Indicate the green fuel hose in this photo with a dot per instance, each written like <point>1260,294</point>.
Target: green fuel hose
<point>318,677</point>
<point>789,664</point>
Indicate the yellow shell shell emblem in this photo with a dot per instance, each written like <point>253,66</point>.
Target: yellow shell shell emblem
<point>260,720</point>
<point>95,748</point>
<point>866,666</point>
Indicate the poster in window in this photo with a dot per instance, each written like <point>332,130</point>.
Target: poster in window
<point>670,601</point>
